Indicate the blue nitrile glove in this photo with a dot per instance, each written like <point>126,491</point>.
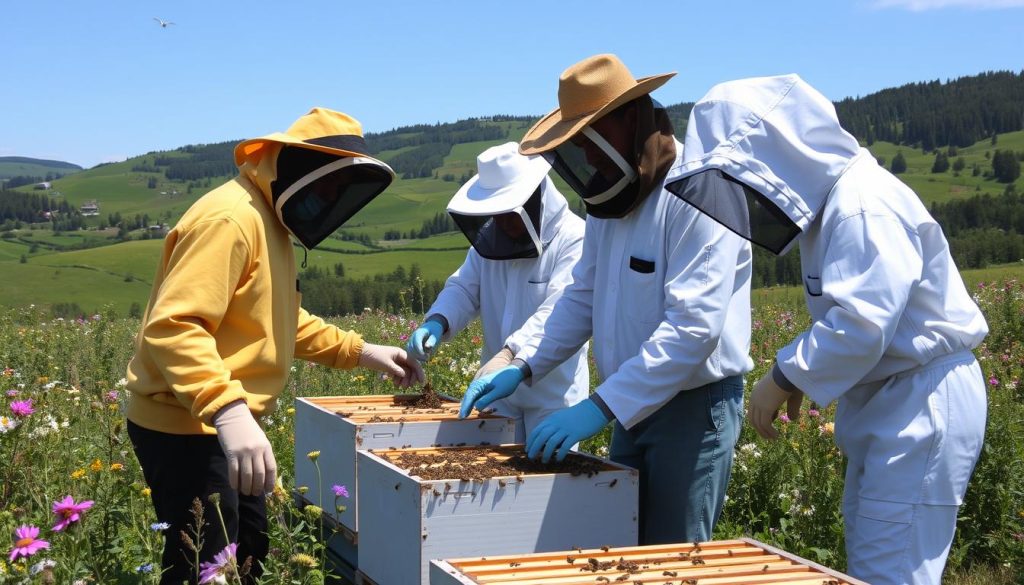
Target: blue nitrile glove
<point>565,428</point>
<point>486,389</point>
<point>424,340</point>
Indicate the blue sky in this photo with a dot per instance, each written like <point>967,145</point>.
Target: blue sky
<point>90,82</point>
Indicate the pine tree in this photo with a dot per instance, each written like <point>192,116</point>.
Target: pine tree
<point>899,164</point>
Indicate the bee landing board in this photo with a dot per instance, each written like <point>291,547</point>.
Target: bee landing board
<point>338,426</point>
<point>406,521</point>
<point>721,562</point>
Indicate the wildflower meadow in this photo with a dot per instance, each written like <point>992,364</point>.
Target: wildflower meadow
<point>74,508</point>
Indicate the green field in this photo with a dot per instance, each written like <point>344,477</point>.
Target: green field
<point>93,274</point>
<point>119,275</point>
<point>946,186</point>
<point>11,167</point>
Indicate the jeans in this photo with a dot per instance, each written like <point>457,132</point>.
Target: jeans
<point>180,468</point>
<point>684,453</point>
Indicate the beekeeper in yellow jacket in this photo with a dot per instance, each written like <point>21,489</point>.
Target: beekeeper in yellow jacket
<point>224,323</point>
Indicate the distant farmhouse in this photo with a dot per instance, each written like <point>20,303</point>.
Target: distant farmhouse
<point>90,207</point>
<point>44,186</point>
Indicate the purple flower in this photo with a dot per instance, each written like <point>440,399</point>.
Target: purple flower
<point>111,396</point>
<point>68,512</point>
<point>223,565</point>
<point>993,381</point>
<point>26,542</point>
<point>11,393</point>
<point>784,417</point>
<point>340,491</point>
<point>22,407</point>
<point>813,413</point>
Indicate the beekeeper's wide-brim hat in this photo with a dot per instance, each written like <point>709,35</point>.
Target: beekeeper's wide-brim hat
<point>587,91</point>
<point>321,129</point>
<point>504,181</point>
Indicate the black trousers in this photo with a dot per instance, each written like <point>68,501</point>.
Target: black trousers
<point>180,468</point>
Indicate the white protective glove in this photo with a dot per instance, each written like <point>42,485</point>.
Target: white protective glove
<point>252,469</point>
<point>765,400</point>
<point>500,360</point>
<point>394,362</point>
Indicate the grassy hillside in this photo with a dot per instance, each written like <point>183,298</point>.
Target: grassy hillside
<point>950,185</point>
<point>442,156</point>
<point>20,166</point>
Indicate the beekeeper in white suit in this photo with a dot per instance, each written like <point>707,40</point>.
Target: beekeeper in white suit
<point>526,243</point>
<point>893,325</point>
<point>665,293</point>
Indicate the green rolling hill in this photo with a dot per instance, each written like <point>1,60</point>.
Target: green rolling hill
<point>99,266</point>
<point>21,166</point>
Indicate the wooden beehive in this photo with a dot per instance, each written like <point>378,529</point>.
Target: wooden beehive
<point>405,521</point>
<point>723,562</point>
<point>338,426</point>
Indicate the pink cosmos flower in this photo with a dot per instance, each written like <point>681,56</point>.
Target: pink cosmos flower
<point>22,407</point>
<point>223,565</point>
<point>25,542</point>
<point>68,512</point>
<point>340,491</point>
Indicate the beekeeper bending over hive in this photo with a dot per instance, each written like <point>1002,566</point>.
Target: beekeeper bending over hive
<point>893,325</point>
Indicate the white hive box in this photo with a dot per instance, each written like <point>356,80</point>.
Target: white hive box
<point>338,426</point>
<point>720,562</point>
<point>405,521</point>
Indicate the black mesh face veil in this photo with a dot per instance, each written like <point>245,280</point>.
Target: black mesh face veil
<point>505,236</point>
<point>591,166</point>
<point>738,207</point>
<point>316,192</point>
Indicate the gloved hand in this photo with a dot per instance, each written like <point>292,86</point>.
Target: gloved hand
<point>394,362</point>
<point>500,360</point>
<point>565,428</point>
<point>424,340</point>
<point>765,400</point>
<point>482,392</point>
<point>252,469</point>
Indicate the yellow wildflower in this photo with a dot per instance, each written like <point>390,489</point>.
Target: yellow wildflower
<point>291,411</point>
<point>303,489</point>
<point>313,455</point>
<point>146,491</point>
<point>78,474</point>
<point>302,560</point>
<point>829,427</point>
<point>113,407</point>
<point>116,466</point>
<point>313,512</point>
<point>96,466</point>
<point>43,379</point>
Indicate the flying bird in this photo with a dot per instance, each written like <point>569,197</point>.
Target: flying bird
<point>162,23</point>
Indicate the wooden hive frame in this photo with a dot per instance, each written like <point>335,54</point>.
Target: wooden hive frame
<point>360,409</point>
<point>501,453</point>
<point>743,561</point>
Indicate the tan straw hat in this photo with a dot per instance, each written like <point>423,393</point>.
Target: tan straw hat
<point>321,129</point>
<point>587,91</point>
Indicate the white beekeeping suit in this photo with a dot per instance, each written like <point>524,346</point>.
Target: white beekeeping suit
<point>892,324</point>
<point>506,280</point>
